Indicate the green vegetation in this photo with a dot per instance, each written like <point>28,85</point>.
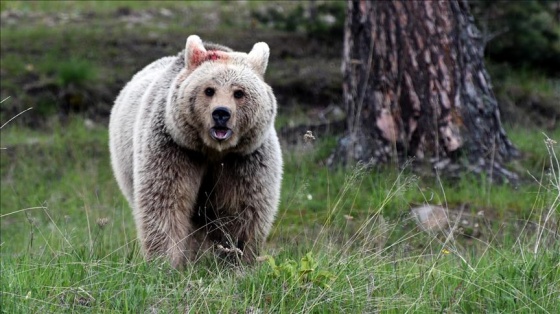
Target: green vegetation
<point>344,241</point>
<point>521,33</point>
<point>324,21</point>
<point>77,72</point>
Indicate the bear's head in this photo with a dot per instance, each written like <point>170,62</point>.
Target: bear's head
<point>219,101</point>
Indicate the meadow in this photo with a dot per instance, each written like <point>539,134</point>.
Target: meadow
<point>344,241</point>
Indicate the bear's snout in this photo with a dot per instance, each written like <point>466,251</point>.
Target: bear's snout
<point>220,131</point>
<point>221,116</point>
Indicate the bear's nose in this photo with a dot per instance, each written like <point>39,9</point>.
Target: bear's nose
<point>221,115</point>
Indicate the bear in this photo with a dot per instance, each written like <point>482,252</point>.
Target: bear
<point>195,153</point>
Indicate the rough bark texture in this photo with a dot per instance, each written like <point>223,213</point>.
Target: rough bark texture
<point>415,85</point>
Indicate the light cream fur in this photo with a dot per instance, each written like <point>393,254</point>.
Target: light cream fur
<point>188,190</point>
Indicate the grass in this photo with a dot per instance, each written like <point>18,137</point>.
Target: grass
<point>343,241</point>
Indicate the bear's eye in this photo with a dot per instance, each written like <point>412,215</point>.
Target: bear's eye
<point>238,94</point>
<point>209,92</point>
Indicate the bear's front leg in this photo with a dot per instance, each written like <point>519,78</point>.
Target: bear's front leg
<point>248,193</point>
<point>166,186</point>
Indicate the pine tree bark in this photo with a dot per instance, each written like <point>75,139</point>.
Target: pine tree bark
<point>415,86</point>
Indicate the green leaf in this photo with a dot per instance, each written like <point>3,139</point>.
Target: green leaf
<point>272,263</point>
<point>324,278</point>
<point>307,264</point>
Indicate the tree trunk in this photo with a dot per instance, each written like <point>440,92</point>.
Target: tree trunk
<point>415,86</point>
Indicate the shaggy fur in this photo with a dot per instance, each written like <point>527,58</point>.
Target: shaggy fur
<point>193,180</point>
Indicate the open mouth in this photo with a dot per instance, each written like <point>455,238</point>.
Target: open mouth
<point>220,133</point>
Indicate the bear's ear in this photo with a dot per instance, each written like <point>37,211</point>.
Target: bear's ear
<point>195,53</point>
<point>258,57</point>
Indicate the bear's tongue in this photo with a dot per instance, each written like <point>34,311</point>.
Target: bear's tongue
<point>221,134</point>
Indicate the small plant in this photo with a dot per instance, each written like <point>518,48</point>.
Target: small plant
<point>76,72</point>
<point>302,273</point>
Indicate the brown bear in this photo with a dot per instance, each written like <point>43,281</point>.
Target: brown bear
<point>195,152</point>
